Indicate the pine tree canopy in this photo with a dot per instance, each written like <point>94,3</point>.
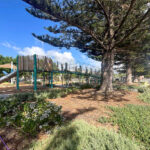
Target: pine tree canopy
<point>99,28</point>
<point>91,25</point>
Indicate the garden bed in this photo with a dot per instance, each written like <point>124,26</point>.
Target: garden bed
<point>87,105</point>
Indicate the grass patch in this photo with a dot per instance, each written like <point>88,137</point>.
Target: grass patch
<point>137,88</point>
<point>79,135</point>
<point>133,121</point>
<point>122,87</point>
<point>145,96</point>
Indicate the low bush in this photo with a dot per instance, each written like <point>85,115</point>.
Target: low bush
<point>30,113</point>
<point>142,89</point>
<point>133,121</point>
<point>145,96</point>
<point>56,93</point>
<point>125,87</point>
<point>132,87</point>
<point>85,86</point>
<point>120,87</point>
<point>81,136</point>
<point>97,87</point>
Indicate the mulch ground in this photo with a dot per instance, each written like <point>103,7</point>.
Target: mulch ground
<point>87,105</point>
<point>90,105</point>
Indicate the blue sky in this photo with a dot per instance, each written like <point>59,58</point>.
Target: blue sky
<point>16,28</point>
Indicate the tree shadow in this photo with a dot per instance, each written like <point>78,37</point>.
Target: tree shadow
<point>17,141</point>
<point>65,139</point>
<point>94,95</point>
<point>71,116</point>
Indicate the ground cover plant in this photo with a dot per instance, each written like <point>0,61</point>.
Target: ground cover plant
<point>145,96</point>
<point>30,114</point>
<point>86,86</point>
<point>137,88</point>
<point>79,135</point>
<point>133,121</point>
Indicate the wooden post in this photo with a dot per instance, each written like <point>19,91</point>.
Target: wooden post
<point>51,79</point>
<point>44,79</point>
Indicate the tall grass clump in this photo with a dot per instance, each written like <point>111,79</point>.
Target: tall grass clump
<point>133,121</point>
<point>79,135</point>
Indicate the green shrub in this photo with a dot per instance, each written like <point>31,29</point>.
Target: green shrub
<point>85,86</point>
<point>145,96</point>
<point>133,121</point>
<point>120,87</point>
<point>132,87</point>
<point>56,93</point>
<point>142,89</point>
<point>97,87</point>
<point>125,87</point>
<point>81,136</point>
<point>30,113</point>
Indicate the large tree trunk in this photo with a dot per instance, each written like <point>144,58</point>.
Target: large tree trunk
<point>108,60</point>
<point>107,72</point>
<point>129,72</point>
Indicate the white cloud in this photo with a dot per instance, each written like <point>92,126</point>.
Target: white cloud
<point>65,57</point>
<point>61,57</point>
<point>91,63</point>
<point>32,50</point>
<point>96,64</point>
<point>8,45</point>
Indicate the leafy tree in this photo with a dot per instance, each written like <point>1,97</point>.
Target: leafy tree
<point>83,23</point>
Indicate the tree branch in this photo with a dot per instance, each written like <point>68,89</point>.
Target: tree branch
<point>103,8</point>
<point>66,19</point>
<point>125,17</point>
<point>133,29</point>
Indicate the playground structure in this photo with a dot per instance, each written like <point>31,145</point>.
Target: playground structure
<point>10,75</point>
<point>44,65</point>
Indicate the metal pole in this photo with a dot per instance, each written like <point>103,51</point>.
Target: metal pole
<point>12,71</point>
<point>51,79</point>
<point>35,73</point>
<point>17,73</point>
<point>66,73</point>
<point>62,69</point>
<point>44,79</point>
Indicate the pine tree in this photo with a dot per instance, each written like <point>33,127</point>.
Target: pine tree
<point>103,23</point>
<point>135,55</point>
